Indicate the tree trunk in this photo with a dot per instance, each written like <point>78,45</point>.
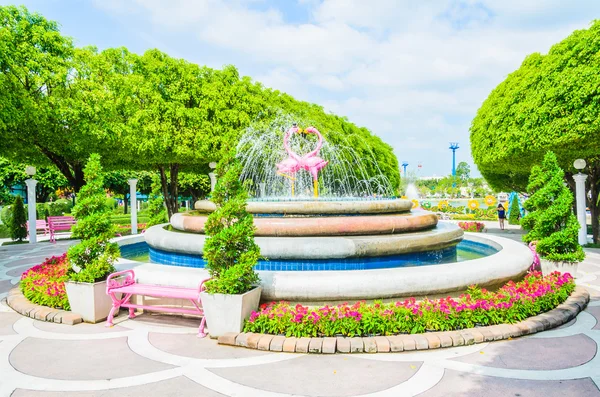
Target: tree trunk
<point>571,185</point>
<point>78,177</point>
<point>42,195</point>
<point>73,172</point>
<point>125,204</point>
<point>169,188</point>
<point>593,204</point>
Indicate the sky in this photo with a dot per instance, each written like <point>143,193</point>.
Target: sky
<point>412,71</point>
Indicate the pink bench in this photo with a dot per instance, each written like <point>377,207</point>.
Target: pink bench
<point>59,223</point>
<point>39,225</point>
<point>124,283</point>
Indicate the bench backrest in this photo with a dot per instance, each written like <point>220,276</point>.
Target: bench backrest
<point>61,222</point>
<point>39,224</point>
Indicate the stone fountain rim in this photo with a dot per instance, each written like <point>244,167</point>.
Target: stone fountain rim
<point>318,207</point>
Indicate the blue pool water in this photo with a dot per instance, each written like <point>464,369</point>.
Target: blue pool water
<point>465,250</point>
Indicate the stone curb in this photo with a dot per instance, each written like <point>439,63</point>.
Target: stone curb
<point>560,315</point>
<point>17,301</point>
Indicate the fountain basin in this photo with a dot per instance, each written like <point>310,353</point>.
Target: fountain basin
<point>292,226</point>
<point>510,262</point>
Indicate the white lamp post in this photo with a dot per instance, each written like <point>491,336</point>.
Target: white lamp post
<point>580,178</point>
<point>212,176</point>
<point>133,196</point>
<point>31,204</point>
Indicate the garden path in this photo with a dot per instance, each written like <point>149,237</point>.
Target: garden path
<point>158,355</point>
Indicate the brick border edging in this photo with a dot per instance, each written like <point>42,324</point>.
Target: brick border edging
<point>17,301</point>
<point>560,315</point>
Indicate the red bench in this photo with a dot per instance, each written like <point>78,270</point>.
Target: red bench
<point>59,223</point>
<point>124,284</point>
<point>39,225</point>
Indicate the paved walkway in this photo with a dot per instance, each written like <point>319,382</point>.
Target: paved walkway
<point>156,355</point>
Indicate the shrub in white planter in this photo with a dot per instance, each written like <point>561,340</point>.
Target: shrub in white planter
<point>231,254</point>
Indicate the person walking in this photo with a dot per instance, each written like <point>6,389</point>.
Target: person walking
<point>501,215</point>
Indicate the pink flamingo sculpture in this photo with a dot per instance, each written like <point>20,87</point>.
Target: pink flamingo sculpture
<point>310,162</point>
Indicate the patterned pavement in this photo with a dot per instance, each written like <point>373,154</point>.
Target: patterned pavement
<point>159,355</point>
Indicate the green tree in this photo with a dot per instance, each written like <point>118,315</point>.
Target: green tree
<point>514,211</point>
<point>59,104</point>
<point>167,115</point>
<point>230,250</point>
<point>44,96</point>
<point>156,204</point>
<point>92,259</point>
<point>18,220</point>
<point>117,183</point>
<point>549,103</point>
<point>49,178</point>
<point>463,171</point>
<point>195,185</point>
<point>550,220</point>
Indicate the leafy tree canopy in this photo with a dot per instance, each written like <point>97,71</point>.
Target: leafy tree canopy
<point>551,103</point>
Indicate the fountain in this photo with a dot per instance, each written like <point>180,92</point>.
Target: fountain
<point>333,247</point>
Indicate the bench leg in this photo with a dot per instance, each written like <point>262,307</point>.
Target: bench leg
<point>131,312</point>
<point>116,304</point>
<point>201,333</point>
<point>109,320</point>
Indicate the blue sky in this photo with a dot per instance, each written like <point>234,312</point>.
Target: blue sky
<point>413,72</point>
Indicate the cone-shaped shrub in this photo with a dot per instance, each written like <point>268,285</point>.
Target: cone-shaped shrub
<point>92,259</point>
<point>550,220</point>
<point>514,211</point>
<point>230,250</point>
<point>18,220</point>
<point>156,204</point>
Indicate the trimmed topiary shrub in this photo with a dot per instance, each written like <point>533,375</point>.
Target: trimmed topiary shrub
<point>156,204</point>
<point>6,214</point>
<point>18,220</point>
<point>550,220</point>
<point>230,250</point>
<point>514,211</point>
<point>92,259</point>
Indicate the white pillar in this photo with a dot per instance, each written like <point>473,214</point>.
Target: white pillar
<point>133,206</point>
<point>31,209</point>
<point>213,181</point>
<point>580,200</point>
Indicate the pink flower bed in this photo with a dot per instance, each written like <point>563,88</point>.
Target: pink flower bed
<point>471,226</point>
<point>44,284</point>
<point>511,303</point>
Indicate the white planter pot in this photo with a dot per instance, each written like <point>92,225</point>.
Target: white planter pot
<point>226,313</point>
<point>562,267</point>
<point>89,300</point>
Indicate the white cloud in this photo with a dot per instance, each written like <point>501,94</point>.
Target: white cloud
<point>414,72</point>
